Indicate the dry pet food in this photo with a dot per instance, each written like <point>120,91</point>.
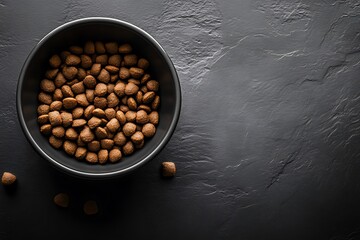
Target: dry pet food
<point>168,169</point>
<point>90,207</point>
<point>62,200</point>
<point>98,102</point>
<point>8,178</point>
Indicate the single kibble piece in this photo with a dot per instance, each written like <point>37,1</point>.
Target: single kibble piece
<point>90,207</point>
<point>43,109</point>
<point>112,100</point>
<point>81,74</point>
<point>130,60</point>
<point>78,123</point>
<point>51,73</point>
<point>42,119</point>
<point>45,98</point>
<point>131,89</point>
<point>103,156</point>
<point>104,76</point>
<point>128,148</point>
<point>89,81</point>
<point>94,122</point>
<point>86,61</point>
<point>136,72</point>
<point>88,111</point>
<point>47,86</point>
<point>59,80</point>
<point>82,100</point>
<point>110,113</point>
<point>56,106</point>
<point>77,112</point>
<point>76,50</point>
<point>146,108</point>
<point>100,133</point>
<point>55,142</point>
<point>67,119</point>
<point>8,178</point>
<point>152,85</point>
<point>119,89</point>
<point>69,103</point>
<point>145,78</point>
<point>72,60</point>
<point>124,73</point>
<point>58,131</point>
<point>94,146</point>
<point>80,153</point>
<point>95,69</point>
<point>69,72</point>
<point>102,59</point>
<point>134,81</point>
<point>58,95</point>
<point>142,117</point>
<point>115,60</point>
<point>100,89</point>
<point>120,139</point>
<point>154,117</point>
<point>130,116</point>
<point>107,143</point>
<point>86,135</point>
<point>168,169</point>
<point>100,47</point>
<point>100,102</point>
<point>89,47</point>
<point>66,91</point>
<point>90,95</point>
<point>148,97</point>
<point>129,129</point>
<point>155,104</point>
<point>111,47</point>
<point>139,97</point>
<point>98,112</point>
<point>91,157</point>
<point>55,118</point>
<point>45,129</point>
<point>113,125</point>
<point>62,200</point>
<point>71,134</point>
<point>125,48</point>
<point>143,63</point>
<point>112,69</point>
<point>115,155</point>
<point>78,88</point>
<point>55,61</point>
<point>137,137</point>
<point>120,116</point>
<point>132,103</point>
<point>70,147</point>
<point>149,130</point>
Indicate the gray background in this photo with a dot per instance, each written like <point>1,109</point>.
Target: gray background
<point>267,145</point>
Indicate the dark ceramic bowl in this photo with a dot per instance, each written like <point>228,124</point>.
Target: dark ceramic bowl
<point>105,29</point>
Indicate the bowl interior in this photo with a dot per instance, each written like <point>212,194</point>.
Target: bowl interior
<point>105,30</point>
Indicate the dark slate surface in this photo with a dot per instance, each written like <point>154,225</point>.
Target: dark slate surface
<point>267,146</point>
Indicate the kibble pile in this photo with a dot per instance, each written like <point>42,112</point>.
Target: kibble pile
<point>98,102</point>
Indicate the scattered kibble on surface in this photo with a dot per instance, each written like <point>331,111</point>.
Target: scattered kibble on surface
<point>168,169</point>
<point>8,178</point>
<point>62,200</point>
<point>90,207</point>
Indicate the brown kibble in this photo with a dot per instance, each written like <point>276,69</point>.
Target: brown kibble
<point>47,86</point>
<point>8,178</point>
<point>95,69</point>
<point>115,60</point>
<point>119,89</point>
<point>144,89</point>
<point>129,129</point>
<point>130,60</point>
<point>86,135</point>
<point>115,155</point>
<point>45,129</point>
<point>112,100</point>
<point>55,106</point>
<point>100,89</point>
<point>136,72</point>
<point>142,117</point>
<point>69,72</point>
<point>110,88</point>
<point>69,102</point>
<point>66,91</point>
<point>168,169</point>
<point>55,118</point>
<point>91,157</point>
<point>104,76</point>
<point>139,97</point>
<point>80,153</point>
<point>148,97</point>
<point>100,47</point>
<point>77,123</point>
<point>140,145</point>
<point>111,47</point>
<point>71,134</point>
<point>120,139</point>
<point>45,98</point>
<point>81,74</point>
<point>90,81</point>
<point>59,80</point>
<point>67,119</point>
<point>94,146</point>
<point>114,78</point>
<point>88,111</point>
<point>128,148</point>
<point>131,89</point>
<point>120,116</point>
<point>107,143</point>
<point>102,59</point>
<point>100,102</point>
<point>143,63</point>
<point>112,69</point>
<point>80,143</point>
<point>55,142</point>
<point>145,78</point>
<point>130,116</point>
<point>90,95</point>
<point>70,147</point>
<point>134,81</point>
<point>113,125</point>
<point>124,99</point>
<point>72,60</point>
<point>124,108</point>
<point>155,104</point>
<point>51,73</point>
<point>43,109</point>
<point>110,113</point>
<point>132,103</point>
<point>94,122</point>
<point>152,85</point>
<point>86,61</point>
<point>58,95</point>
<point>90,207</point>
<point>154,117</point>
<point>124,73</point>
<point>103,156</point>
<point>42,119</point>
<point>98,112</point>
<point>64,54</point>
<point>76,50</point>
<point>145,108</point>
<point>55,61</point>
<point>148,130</point>
<point>78,88</point>
<point>125,48</point>
<point>137,137</point>
<point>58,131</point>
<point>89,47</point>
<point>101,133</point>
<point>72,82</point>
<point>77,112</point>
<point>62,200</point>
<point>82,100</point>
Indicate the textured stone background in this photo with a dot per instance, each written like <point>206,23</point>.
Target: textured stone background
<point>267,146</point>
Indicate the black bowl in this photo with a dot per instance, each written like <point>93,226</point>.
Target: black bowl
<point>105,29</point>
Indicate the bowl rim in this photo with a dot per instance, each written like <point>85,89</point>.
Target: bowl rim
<point>109,174</point>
